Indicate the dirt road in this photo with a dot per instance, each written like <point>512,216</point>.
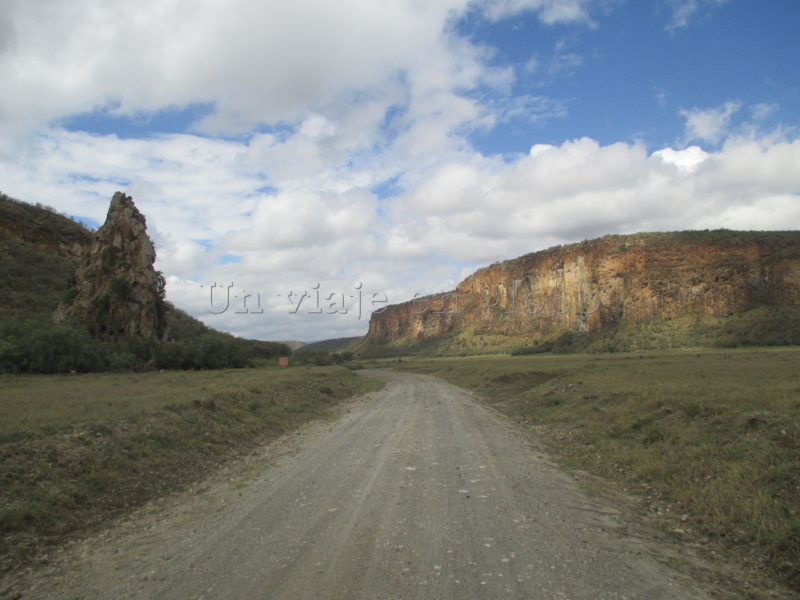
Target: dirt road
<point>417,492</point>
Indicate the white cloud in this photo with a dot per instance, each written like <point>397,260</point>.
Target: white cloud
<point>686,160</point>
<point>752,169</point>
<point>683,12</point>
<point>532,65</point>
<point>166,174</point>
<point>255,61</point>
<point>549,11</point>
<point>563,61</point>
<point>763,111</point>
<point>252,62</point>
<point>711,124</point>
<point>295,220</point>
<point>484,210</point>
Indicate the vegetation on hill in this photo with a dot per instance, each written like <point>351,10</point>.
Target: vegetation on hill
<point>322,358</point>
<point>37,279</point>
<point>762,326</point>
<point>37,222</point>
<point>294,345</point>
<point>333,345</point>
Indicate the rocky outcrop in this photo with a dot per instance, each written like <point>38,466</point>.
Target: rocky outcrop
<point>614,280</point>
<point>118,294</point>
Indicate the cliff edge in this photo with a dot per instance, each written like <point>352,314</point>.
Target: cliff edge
<point>612,281</point>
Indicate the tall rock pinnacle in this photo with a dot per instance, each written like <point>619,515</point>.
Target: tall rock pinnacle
<point>118,293</point>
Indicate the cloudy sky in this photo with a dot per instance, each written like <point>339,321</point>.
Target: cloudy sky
<point>367,150</point>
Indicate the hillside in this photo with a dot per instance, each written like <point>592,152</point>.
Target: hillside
<point>619,292</point>
<point>332,345</point>
<point>293,345</point>
<point>43,228</point>
<point>42,251</point>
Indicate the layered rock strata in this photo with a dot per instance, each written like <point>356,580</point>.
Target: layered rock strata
<point>619,279</point>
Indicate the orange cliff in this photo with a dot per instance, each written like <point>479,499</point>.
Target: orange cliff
<point>614,280</point>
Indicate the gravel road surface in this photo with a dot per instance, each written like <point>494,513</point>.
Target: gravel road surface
<point>417,491</point>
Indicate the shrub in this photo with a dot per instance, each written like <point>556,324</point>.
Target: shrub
<point>51,349</point>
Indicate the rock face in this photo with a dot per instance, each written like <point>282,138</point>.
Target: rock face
<point>118,293</point>
<point>594,285</point>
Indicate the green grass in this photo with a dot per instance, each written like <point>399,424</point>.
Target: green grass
<point>709,441</point>
<point>77,450</point>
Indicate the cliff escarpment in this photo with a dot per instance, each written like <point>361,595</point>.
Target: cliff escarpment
<point>616,280</point>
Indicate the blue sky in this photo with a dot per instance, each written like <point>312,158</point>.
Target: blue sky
<point>627,77</point>
<point>395,145</point>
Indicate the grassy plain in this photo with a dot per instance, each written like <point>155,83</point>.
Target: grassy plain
<point>78,449</point>
<point>708,441</point>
